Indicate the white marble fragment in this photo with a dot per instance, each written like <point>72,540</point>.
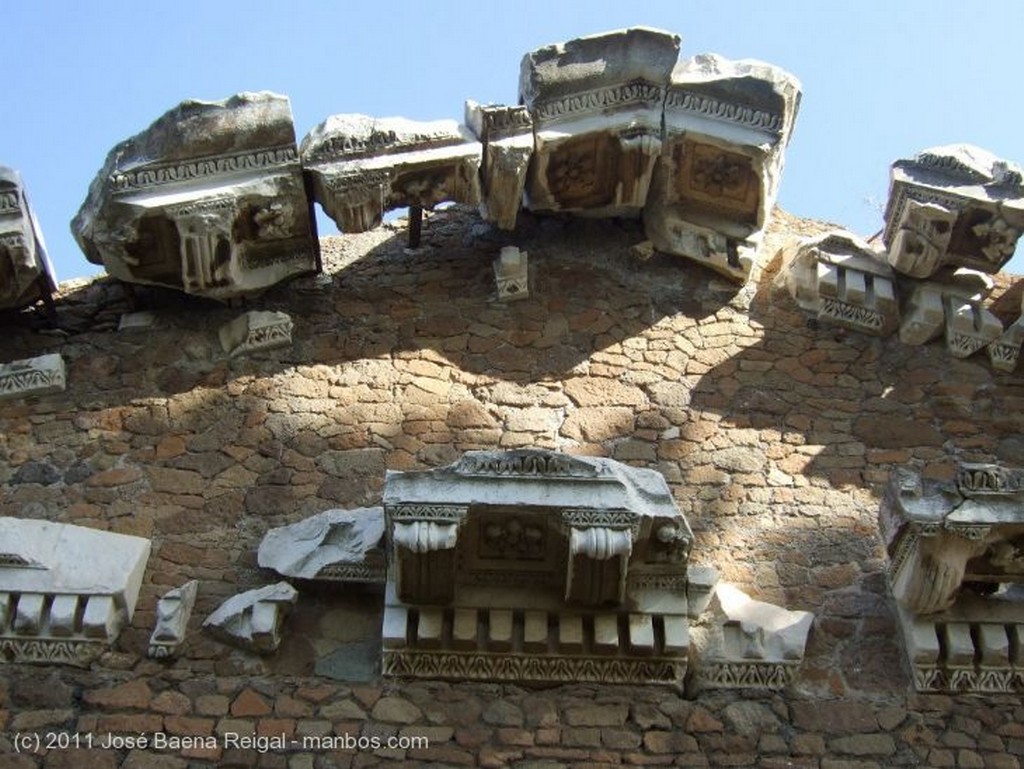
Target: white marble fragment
<point>137,321</point>
<point>512,274</point>
<point>65,591</point>
<point>26,274</point>
<point>256,330</point>
<point>253,620</point>
<point>1004,352</point>
<point>924,316</point>
<point>32,376</point>
<point>506,134</point>
<point>336,545</point>
<point>955,205</point>
<point>173,611</point>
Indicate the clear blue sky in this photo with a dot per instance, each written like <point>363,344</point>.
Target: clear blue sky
<point>881,80</point>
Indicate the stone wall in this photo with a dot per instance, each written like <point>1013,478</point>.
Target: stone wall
<point>775,435</point>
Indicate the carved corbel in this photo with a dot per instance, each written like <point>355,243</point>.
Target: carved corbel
<point>598,564</point>
<point>424,540</point>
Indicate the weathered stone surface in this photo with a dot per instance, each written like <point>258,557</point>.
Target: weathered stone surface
<point>727,124</point>
<point>750,644</point>
<point>252,620</point>
<point>954,205</point>
<point>65,591</point>
<point>506,134</point>
<point>934,305</point>
<point>596,104</point>
<point>173,611</point>
<point>33,376</point>
<point>209,199</point>
<point>336,545</point>
<point>512,274</point>
<point>362,166</point>
<point>526,543</point>
<point>256,330</point>
<point>26,274</point>
<point>840,279</point>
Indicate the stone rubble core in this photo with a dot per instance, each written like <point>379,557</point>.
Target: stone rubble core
<point>841,280</point>
<point>951,302</point>
<point>26,274</point>
<point>173,611</point>
<point>512,274</point>
<point>335,545</point>
<point>727,125</point>
<point>210,199</point>
<point>59,601</point>
<point>955,205</point>
<point>953,550</point>
<point>255,331</point>
<point>748,644</point>
<point>253,620</point>
<point>535,566</point>
<point>32,376</point>
<point>361,167</point>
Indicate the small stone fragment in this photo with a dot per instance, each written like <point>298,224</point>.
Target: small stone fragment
<point>252,620</point>
<point>255,331</point>
<point>172,614</point>
<point>26,274</point>
<point>32,376</point>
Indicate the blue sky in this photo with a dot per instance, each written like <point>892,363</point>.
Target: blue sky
<point>881,80</point>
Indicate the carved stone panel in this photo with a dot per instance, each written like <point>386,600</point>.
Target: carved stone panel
<point>254,331</point>
<point>173,611</point>
<point>361,166</point>
<point>59,601</point>
<point>209,199</point>
<point>727,124</point>
<point>957,205</point>
<point>26,274</point>
<point>512,274</point>
<point>32,376</point>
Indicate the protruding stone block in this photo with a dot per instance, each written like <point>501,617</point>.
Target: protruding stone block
<point>506,134</point>
<point>1004,352</point>
<point>727,124</point>
<point>925,312</point>
<point>26,274</point>
<point>255,331</point>
<point>956,205</point>
<point>969,327</point>
<point>362,166</point>
<point>32,376</point>
<point>253,620</point>
<point>210,199</point>
<point>749,643</point>
<point>596,104</point>
<point>842,280</point>
<point>511,271</point>
<point>65,591</point>
<point>173,611</point>
<point>336,545</point>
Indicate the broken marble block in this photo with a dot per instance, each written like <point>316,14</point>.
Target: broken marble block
<point>596,104</point>
<point>32,376</point>
<point>336,545</point>
<point>1004,352</point>
<point>842,280</point>
<point>924,314</point>
<point>727,124</point>
<point>254,331</point>
<point>26,274</point>
<point>969,327</point>
<point>512,274</point>
<point>956,205</point>
<point>65,591</point>
<point>253,620</point>
<point>506,136</point>
<point>210,199</point>
<point>362,166</point>
<point>173,611</point>
<point>750,644</point>
<point>956,571</point>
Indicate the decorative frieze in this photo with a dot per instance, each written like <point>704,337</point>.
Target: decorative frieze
<point>957,205</point>
<point>576,566</point>
<point>361,166</point>
<point>727,124</point>
<point>256,330</point>
<point>253,620</point>
<point>1005,351</point>
<point>60,602</point>
<point>26,274</point>
<point>955,564</point>
<point>173,611</point>
<point>210,199</point>
<point>32,376</point>
<point>336,545</point>
<point>843,281</point>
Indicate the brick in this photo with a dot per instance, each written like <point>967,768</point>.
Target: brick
<point>132,694</point>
